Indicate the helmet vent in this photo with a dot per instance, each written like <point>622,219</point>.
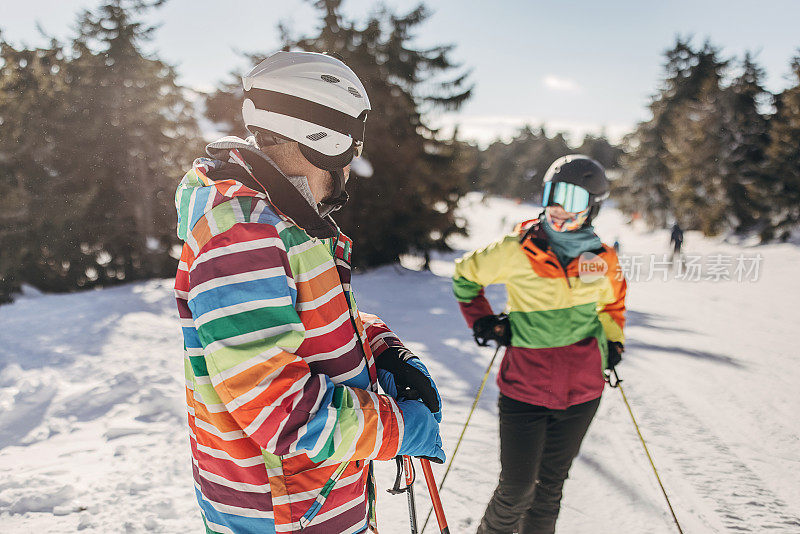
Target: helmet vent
<point>330,79</point>
<point>353,91</point>
<point>316,136</point>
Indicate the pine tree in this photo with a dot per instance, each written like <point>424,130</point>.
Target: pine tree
<point>783,182</point>
<point>142,146</point>
<point>101,135</point>
<point>694,144</point>
<point>642,191</point>
<point>643,188</point>
<point>671,169</point>
<point>33,85</point>
<point>743,142</point>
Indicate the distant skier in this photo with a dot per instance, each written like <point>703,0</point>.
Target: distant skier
<point>617,245</point>
<point>282,369</point>
<point>564,327</point>
<point>676,240</point>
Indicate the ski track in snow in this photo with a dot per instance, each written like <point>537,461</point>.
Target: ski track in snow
<point>94,434</point>
<point>738,495</point>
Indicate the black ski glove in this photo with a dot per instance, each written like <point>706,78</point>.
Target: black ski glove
<point>492,328</point>
<point>615,350</point>
<point>411,379</point>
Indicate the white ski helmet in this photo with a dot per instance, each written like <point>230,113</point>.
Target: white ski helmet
<point>310,98</point>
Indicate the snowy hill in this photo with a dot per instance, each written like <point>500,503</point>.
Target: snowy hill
<point>94,434</point>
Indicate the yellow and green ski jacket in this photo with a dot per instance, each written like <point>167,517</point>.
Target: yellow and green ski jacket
<point>561,317</point>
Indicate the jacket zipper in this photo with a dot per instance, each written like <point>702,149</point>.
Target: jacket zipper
<point>316,506</point>
<point>561,267</point>
<point>350,310</point>
<point>318,503</point>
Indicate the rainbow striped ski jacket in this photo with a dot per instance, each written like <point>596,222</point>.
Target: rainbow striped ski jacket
<point>281,387</point>
<point>560,317</point>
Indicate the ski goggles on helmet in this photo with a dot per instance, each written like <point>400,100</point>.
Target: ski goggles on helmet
<point>316,158</point>
<point>331,163</point>
<point>573,198</point>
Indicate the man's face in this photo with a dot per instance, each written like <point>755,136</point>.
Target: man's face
<point>291,161</point>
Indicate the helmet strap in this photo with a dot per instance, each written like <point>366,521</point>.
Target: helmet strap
<point>593,211</point>
<point>339,196</point>
<point>338,182</point>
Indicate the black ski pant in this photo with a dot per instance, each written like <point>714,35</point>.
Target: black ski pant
<point>537,446</point>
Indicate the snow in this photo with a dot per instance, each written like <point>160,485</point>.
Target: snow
<point>94,433</point>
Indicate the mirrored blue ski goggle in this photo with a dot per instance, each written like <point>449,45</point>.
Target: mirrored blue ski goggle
<point>573,198</point>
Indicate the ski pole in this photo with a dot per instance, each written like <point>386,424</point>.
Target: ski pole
<point>463,430</point>
<point>618,384</point>
<point>408,467</point>
<point>436,501</point>
<point>404,465</point>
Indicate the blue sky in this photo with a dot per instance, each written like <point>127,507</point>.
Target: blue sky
<point>575,65</point>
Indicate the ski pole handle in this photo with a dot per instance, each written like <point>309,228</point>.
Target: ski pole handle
<point>617,380</point>
<point>433,491</point>
<point>408,467</point>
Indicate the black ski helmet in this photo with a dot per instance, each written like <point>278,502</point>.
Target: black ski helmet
<point>584,172</point>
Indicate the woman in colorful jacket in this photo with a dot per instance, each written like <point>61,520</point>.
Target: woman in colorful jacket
<point>563,328</point>
<point>282,369</point>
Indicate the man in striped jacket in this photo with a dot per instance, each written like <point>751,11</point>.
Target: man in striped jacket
<point>282,369</point>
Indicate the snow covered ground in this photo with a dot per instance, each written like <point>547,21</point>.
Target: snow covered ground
<point>92,424</point>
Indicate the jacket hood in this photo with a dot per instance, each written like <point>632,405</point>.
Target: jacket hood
<point>212,181</point>
<point>197,194</point>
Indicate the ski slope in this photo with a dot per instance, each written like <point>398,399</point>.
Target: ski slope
<point>93,434</point>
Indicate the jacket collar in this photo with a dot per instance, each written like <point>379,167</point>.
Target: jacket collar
<point>532,232</point>
<point>254,169</point>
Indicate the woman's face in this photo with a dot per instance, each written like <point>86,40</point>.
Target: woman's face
<point>562,220</point>
<point>559,213</point>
